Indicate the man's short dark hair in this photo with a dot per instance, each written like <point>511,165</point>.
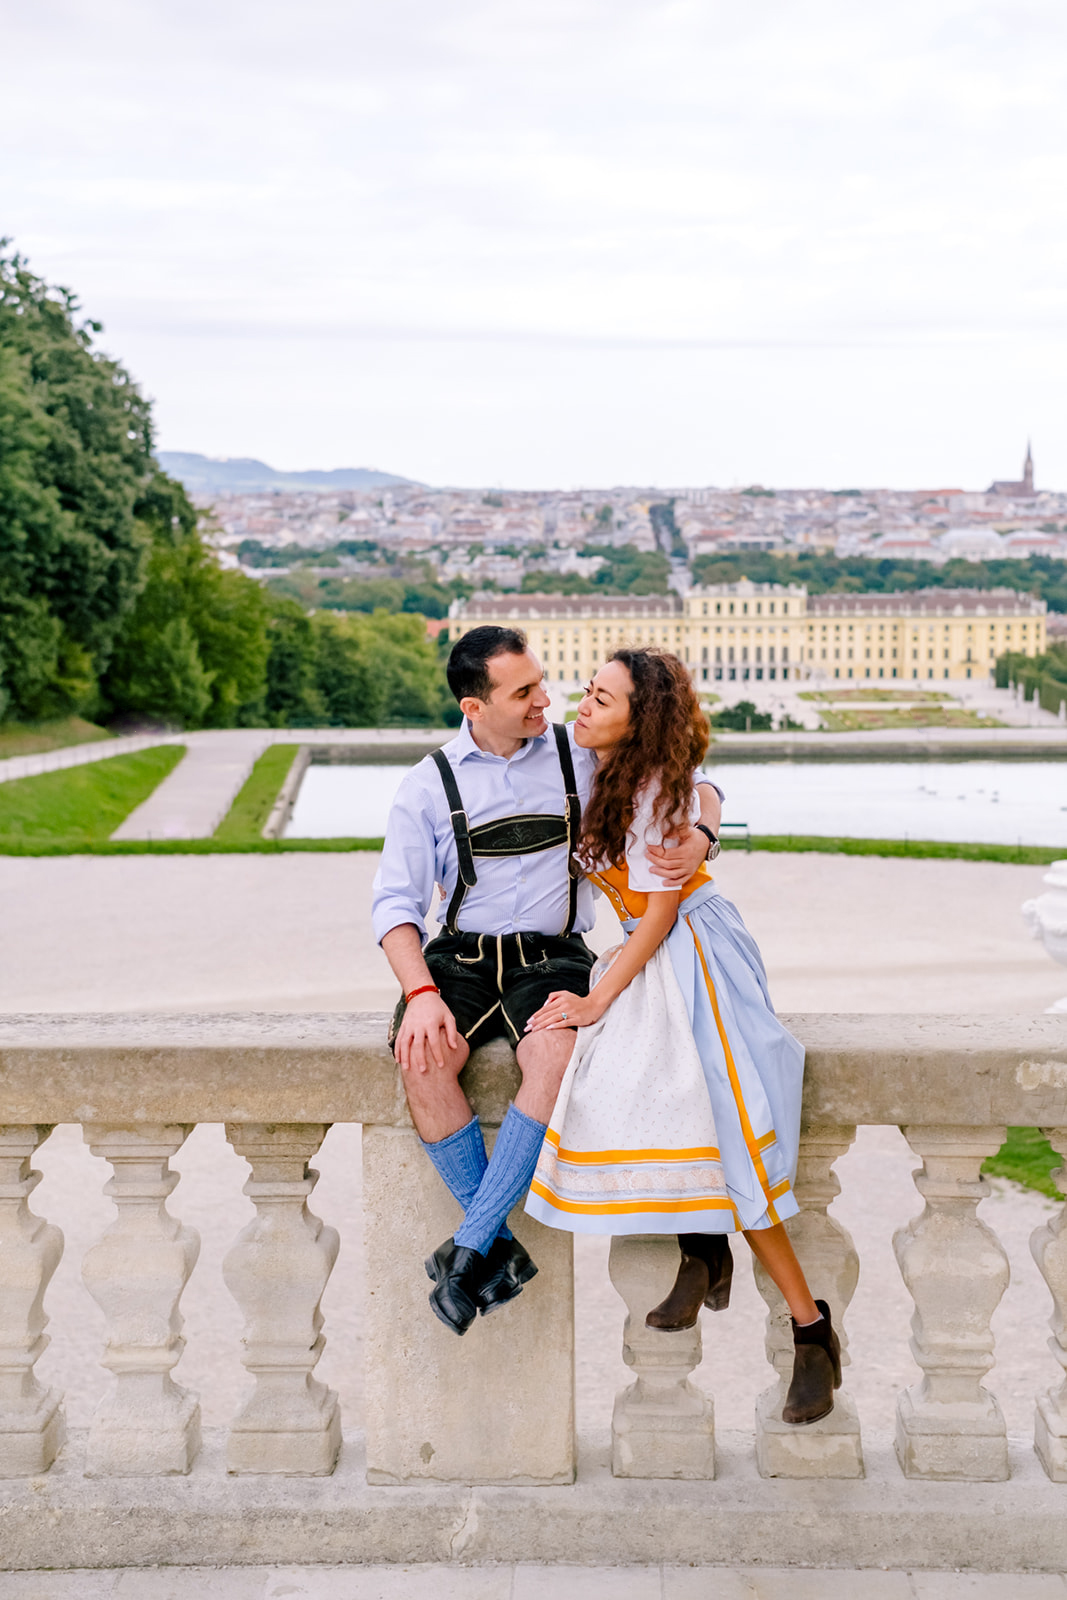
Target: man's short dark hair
<point>468,665</point>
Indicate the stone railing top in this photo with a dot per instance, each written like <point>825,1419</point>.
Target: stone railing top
<point>334,1067</point>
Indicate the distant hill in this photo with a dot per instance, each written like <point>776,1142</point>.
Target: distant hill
<point>242,475</point>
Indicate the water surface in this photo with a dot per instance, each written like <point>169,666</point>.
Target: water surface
<point>966,802</point>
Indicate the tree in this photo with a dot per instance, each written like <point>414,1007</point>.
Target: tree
<point>742,718</point>
<point>292,694</point>
<point>75,463</point>
<point>193,647</point>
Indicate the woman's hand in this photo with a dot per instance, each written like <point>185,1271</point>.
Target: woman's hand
<point>565,1010</point>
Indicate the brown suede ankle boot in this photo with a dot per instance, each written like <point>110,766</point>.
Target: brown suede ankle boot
<point>816,1370</point>
<point>704,1276</point>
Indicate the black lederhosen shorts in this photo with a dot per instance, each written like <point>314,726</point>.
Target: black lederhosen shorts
<point>493,983</point>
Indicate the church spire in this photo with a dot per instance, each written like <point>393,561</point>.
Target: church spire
<point>1028,469</point>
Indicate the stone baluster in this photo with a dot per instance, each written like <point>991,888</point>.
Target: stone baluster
<point>277,1270</point>
<point>948,1425</point>
<point>31,1418</point>
<point>662,1425</point>
<point>1048,1244</point>
<point>147,1424</point>
<point>831,1447</point>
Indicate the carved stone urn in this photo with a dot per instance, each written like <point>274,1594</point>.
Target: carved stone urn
<point>1046,918</point>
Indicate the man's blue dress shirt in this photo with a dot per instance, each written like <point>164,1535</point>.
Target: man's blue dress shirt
<point>514,894</point>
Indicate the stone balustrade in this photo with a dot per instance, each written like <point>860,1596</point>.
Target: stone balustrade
<point>439,1417</point>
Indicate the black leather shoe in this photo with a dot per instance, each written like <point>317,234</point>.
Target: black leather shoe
<point>458,1273</point>
<point>507,1268</point>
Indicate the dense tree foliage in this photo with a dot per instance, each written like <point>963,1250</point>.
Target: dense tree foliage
<point>427,599</point>
<point>829,574</point>
<point>626,570</point>
<point>80,498</point>
<point>353,671</point>
<point>193,647</point>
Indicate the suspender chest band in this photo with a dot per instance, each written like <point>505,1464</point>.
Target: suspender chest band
<point>520,835</point>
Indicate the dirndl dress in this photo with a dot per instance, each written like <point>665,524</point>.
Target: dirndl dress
<point>680,1109</point>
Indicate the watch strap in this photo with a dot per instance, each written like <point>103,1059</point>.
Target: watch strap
<point>703,828</point>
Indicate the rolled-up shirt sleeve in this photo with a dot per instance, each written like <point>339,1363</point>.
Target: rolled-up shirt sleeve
<point>702,777</point>
<point>406,877</point>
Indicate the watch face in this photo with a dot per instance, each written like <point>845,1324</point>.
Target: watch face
<point>713,852</point>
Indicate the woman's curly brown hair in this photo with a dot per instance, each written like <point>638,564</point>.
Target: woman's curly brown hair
<point>667,738</point>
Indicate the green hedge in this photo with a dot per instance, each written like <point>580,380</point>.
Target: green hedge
<point>1043,676</point>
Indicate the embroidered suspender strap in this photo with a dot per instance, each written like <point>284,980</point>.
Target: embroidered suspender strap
<point>574,820</point>
<point>466,877</point>
<point>513,836</point>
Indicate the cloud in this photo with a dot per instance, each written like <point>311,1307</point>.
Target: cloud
<point>631,176</point>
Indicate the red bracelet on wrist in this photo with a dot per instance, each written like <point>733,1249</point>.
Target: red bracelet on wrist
<point>427,988</point>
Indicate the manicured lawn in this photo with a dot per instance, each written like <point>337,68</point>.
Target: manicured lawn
<point>911,849</point>
<point>834,695</point>
<point>61,812</point>
<point>248,815</point>
<point>183,847</point>
<point>31,738</point>
<point>1027,1158</point>
<point>853,719</point>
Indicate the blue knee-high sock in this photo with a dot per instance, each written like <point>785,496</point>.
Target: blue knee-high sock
<point>461,1161</point>
<point>507,1178</point>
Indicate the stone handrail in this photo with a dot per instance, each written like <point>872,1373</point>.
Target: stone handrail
<point>435,1415</point>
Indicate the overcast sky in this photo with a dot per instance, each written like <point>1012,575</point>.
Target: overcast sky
<point>562,242</point>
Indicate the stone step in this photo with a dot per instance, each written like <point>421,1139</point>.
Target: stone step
<point>66,1520</point>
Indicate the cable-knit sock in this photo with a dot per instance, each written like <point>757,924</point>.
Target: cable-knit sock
<point>507,1178</point>
<point>461,1161</point>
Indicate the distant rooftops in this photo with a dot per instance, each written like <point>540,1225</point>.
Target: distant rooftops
<point>914,602</point>
<point>976,602</point>
<point>581,605</point>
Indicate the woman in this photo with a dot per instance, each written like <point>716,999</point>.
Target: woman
<point>682,1097</point>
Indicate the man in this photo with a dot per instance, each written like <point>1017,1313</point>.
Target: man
<point>493,819</point>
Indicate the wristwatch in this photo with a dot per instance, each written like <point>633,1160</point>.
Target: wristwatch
<point>713,844</point>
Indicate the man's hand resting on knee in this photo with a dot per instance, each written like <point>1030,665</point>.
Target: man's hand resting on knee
<point>426,1034</point>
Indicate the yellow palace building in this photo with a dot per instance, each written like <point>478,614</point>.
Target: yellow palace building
<point>758,631</point>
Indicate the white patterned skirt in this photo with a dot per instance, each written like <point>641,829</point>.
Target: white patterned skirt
<point>680,1109</point>
<point>631,1147</point>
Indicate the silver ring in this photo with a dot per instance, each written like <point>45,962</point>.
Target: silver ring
<point>563,1014</point>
